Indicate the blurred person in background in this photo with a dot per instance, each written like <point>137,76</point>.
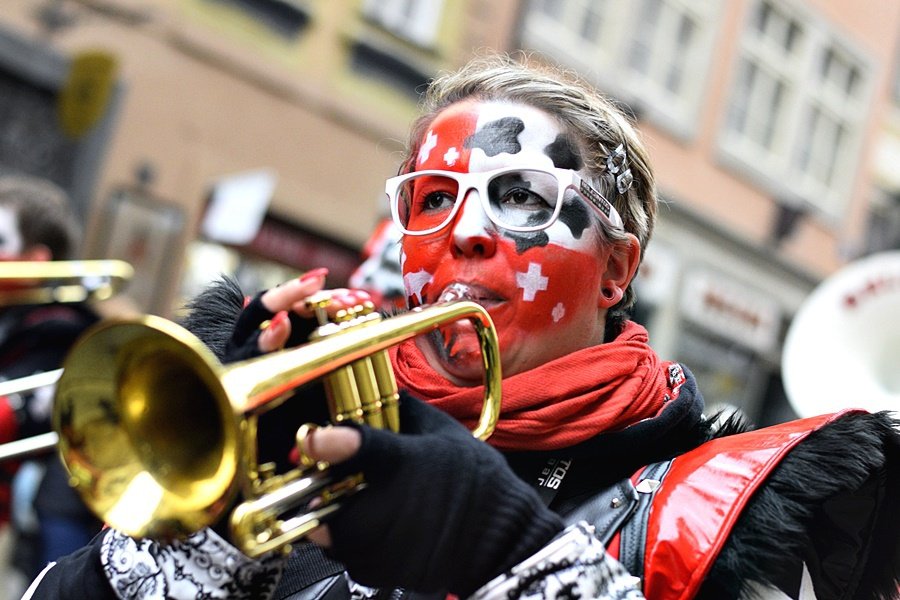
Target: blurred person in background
<point>48,517</point>
<point>379,273</point>
<point>525,190</point>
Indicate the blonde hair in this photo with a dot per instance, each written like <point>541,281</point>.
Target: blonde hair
<point>598,123</point>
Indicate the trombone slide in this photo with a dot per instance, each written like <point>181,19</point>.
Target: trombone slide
<point>38,444</point>
<point>45,282</point>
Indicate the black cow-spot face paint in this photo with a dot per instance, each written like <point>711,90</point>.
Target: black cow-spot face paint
<point>564,153</point>
<point>497,137</point>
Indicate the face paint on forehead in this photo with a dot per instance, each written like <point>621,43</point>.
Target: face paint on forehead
<point>511,134</point>
<point>443,147</point>
<point>564,153</point>
<point>480,136</point>
<point>497,137</point>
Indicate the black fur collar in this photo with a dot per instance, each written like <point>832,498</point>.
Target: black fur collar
<point>212,314</point>
<point>831,503</point>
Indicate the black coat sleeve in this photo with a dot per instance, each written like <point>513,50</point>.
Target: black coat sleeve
<point>74,577</point>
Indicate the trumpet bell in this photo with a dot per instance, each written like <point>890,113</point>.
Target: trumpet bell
<point>154,469</point>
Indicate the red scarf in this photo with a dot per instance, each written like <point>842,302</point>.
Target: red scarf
<point>563,402</point>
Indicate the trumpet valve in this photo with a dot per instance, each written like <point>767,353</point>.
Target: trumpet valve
<point>317,304</point>
<point>265,471</point>
<point>307,462</point>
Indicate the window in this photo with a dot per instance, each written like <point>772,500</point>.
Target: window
<point>758,104</point>
<point>883,231</point>
<point>651,54</point>
<point>662,47</point>
<point>793,115</point>
<point>413,20</point>
<point>286,18</point>
<point>386,66</point>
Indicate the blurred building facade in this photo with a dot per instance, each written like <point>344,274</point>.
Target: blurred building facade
<point>773,125</point>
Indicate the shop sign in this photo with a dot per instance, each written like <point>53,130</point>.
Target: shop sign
<point>731,309</point>
<point>292,246</point>
<point>87,92</point>
<point>237,206</point>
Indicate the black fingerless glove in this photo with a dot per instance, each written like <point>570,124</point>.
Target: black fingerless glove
<point>244,341</point>
<point>442,510</point>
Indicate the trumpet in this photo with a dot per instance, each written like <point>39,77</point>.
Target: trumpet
<point>159,438</point>
<point>45,282</point>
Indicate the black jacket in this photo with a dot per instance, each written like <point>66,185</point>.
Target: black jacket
<point>830,504</point>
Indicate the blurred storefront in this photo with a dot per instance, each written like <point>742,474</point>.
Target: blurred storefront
<point>761,118</point>
<point>280,251</point>
<point>721,307</point>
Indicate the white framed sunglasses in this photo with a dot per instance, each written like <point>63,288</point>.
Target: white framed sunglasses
<point>514,198</point>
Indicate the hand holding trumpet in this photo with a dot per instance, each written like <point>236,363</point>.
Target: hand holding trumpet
<point>440,510</point>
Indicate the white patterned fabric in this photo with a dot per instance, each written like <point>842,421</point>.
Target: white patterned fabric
<point>201,566</point>
<point>574,565</point>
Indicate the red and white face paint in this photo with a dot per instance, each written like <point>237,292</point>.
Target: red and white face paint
<point>542,288</point>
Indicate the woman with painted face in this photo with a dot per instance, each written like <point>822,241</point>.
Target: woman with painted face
<point>526,191</point>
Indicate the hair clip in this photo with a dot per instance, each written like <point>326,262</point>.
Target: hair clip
<point>616,172</point>
<point>624,181</point>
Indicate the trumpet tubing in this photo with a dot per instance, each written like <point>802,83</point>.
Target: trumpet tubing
<point>159,437</point>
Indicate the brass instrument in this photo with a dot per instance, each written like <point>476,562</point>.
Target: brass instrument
<point>43,443</point>
<point>851,319</point>
<point>159,437</point>
<point>44,282</point>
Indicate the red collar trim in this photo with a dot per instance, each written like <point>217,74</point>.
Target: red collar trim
<point>702,497</point>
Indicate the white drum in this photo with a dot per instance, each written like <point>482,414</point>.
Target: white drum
<point>843,348</point>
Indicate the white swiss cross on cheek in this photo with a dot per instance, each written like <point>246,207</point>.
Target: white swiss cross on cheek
<point>531,282</point>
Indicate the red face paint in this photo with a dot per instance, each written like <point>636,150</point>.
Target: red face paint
<point>444,144</point>
<point>543,300</point>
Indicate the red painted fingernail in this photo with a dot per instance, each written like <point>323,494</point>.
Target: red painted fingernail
<point>347,299</point>
<point>247,300</point>
<point>314,274</point>
<point>279,320</point>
